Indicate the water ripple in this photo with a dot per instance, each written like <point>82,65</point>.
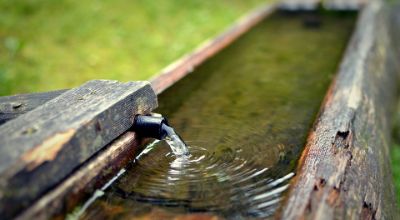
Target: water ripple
<point>226,183</point>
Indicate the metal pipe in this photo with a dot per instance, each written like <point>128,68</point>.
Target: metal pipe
<point>151,126</point>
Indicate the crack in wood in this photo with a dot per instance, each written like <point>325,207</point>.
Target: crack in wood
<point>368,212</point>
<point>349,144</point>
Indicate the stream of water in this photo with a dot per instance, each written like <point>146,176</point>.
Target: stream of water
<point>175,142</point>
<point>244,116</point>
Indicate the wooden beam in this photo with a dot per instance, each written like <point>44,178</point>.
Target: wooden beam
<point>40,148</point>
<point>344,171</point>
<point>13,106</point>
<point>91,176</point>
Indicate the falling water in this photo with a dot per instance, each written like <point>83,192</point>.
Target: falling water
<point>175,142</point>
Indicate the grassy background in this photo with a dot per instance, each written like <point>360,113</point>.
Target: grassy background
<point>395,154</point>
<point>47,44</point>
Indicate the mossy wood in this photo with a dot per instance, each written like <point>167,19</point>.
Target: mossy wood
<point>13,106</point>
<point>40,148</point>
<point>344,171</point>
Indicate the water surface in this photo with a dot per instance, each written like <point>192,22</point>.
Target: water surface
<point>245,115</point>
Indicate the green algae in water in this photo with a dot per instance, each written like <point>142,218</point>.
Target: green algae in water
<point>262,92</point>
<point>245,114</point>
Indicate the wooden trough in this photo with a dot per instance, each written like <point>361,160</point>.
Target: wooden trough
<point>56,148</point>
<point>344,171</point>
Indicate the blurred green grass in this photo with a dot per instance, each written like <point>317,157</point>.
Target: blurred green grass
<point>47,44</point>
<point>395,156</point>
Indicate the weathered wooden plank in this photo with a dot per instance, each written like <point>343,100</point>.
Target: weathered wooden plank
<point>344,171</point>
<point>91,176</point>
<point>16,105</point>
<point>41,147</point>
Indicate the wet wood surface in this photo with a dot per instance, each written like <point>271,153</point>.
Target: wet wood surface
<point>13,106</point>
<point>40,148</point>
<point>344,171</point>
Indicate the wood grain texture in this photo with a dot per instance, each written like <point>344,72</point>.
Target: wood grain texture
<point>13,106</point>
<point>40,148</point>
<point>344,171</point>
<point>89,177</point>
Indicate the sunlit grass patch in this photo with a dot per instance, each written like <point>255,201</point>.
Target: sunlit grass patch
<point>47,45</point>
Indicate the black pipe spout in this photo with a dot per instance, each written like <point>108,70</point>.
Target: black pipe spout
<point>151,126</point>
